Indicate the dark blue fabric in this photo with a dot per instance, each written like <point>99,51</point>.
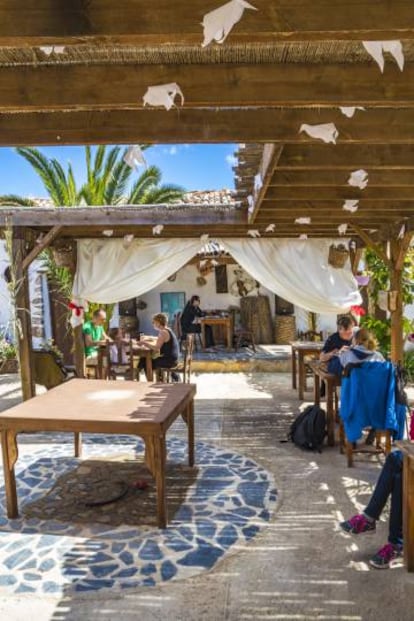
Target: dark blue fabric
<point>334,342</point>
<point>335,366</point>
<point>389,482</point>
<point>368,400</point>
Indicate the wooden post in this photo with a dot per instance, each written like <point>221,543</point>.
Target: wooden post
<point>398,251</point>
<point>78,340</point>
<point>22,302</point>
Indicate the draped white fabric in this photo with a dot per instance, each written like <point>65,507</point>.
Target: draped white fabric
<point>298,271</point>
<point>110,270</point>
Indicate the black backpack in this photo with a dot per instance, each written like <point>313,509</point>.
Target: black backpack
<point>308,430</point>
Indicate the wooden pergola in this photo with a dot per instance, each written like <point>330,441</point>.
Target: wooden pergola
<point>288,63</point>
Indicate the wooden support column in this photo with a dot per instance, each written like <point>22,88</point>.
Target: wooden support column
<point>78,342</point>
<point>22,302</point>
<point>398,251</point>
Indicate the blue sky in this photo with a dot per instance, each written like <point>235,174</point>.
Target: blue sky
<point>196,167</point>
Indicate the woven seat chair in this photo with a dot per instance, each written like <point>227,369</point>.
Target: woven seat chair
<point>184,367</point>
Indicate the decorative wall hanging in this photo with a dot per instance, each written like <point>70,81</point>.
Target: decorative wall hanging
<point>338,255</point>
<point>326,131</point>
<point>221,279</point>
<point>163,95</point>
<point>201,281</point>
<point>218,23</point>
<point>358,179</point>
<point>376,50</point>
<point>205,267</point>
<point>243,284</point>
<point>141,305</point>
<point>62,252</point>
<point>128,307</point>
<point>172,277</point>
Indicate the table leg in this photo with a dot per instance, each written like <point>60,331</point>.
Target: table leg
<point>188,417</point>
<point>330,416</point>
<point>148,367</point>
<point>408,512</point>
<point>203,335</point>
<point>10,454</point>
<point>301,365</point>
<point>78,443</point>
<point>316,389</point>
<point>159,466</point>
<point>294,368</point>
<point>229,338</point>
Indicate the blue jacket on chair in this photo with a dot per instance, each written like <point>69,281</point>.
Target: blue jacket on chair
<point>368,400</point>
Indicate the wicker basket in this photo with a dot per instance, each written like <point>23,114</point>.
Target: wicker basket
<point>63,255</point>
<point>338,255</point>
<point>285,329</point>
<point>9,365</point>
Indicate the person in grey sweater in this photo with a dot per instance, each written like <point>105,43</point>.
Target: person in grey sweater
<point>363,349</point>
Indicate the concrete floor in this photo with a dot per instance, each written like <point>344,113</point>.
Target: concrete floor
<point>299,567</point>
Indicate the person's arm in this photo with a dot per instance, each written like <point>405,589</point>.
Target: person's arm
<point>328,351</point>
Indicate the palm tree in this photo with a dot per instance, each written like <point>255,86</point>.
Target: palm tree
<point>108,180</point>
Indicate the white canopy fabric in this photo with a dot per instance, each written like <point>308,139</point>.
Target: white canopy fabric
<point>111,270</point>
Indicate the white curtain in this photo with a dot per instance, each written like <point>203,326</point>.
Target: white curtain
<point>298,271</point>
<point>110,270</point>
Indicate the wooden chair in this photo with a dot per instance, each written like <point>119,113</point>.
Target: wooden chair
<point>119,368</point>
<point>164,374</point>
<point>48,369</point>
<point>311,335</point>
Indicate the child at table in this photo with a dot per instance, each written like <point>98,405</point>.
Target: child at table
<point>118,348</point>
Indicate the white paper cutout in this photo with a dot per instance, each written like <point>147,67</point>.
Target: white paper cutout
<point>163,95</point>
<point>204,238</point>
<point>127,240</point>
<point>270,228</point>
<point>108,233</point>
<point>349,111</point>
<point>326,131</point>
<point>358,179</point>
<point>202,263</point>
<point>134,157</point>
<point>376,50</point>
<point>253,233</point>
<point>402,232</point>
<point>303,236</point>
<point>258,182</point>
<point>52,49</point>
<point>351,205</point>
<point>218,23</point>
<point>342,229</point>
<point>251,203</point>
<point>157,229</point>
<point>303,220</point>
<point>213,262</point>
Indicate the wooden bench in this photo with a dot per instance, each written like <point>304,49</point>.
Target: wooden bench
<point>80,405</point>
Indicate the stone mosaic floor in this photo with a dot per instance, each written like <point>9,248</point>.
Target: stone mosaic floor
<point>231,499</point>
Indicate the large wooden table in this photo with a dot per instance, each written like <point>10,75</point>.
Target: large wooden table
<point>124,407</point>
<point>331,383</point>
<point>302,349</point>
<point>407,448</point>
<point>217,320</point>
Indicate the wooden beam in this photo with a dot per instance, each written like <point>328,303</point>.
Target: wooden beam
<point>403,247</point>
<point>160,22</point>
<point>39,247</point>
<point>347,156</point>
<point>391,207</point>
<point>118,86</point>
<point>371,244</point>
<point>379,177</point>
<point>381,194</point>
<point>269,160</point>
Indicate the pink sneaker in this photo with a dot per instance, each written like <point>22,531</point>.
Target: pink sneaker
<point>358,525</point>
<point>385,555</point>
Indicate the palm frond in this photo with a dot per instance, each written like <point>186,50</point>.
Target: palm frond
<point>15,200</point>
<point>163,194</point>
<point>148,179</point>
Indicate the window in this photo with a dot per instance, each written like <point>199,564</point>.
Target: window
<point>171,303</point>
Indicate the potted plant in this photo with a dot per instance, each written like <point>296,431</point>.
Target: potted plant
<point>8,355</point>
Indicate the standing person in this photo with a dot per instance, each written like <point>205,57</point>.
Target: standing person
<point>191,313</point>
<point>166,345</point>
<point>388,484</point>
<point>94,334</point>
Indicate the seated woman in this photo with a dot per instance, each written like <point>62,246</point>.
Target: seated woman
<point>363,349</point>
<point>191,313</point>
<point>166,344</point>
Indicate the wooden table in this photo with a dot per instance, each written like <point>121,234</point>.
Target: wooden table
<point>80,405</point>
<point>137,352</point>
<point>216,320</point>
<point>302,349</point>
<point>407,448</point>
<point>331,383</point>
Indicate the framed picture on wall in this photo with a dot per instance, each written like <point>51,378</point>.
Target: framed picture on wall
<point>221,279</point>
<point>128,307</point>
<point>283,307</point>
<point>171,303</point>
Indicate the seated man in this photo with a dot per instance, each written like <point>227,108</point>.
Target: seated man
<point>338,342</point>
<point>94,334</point>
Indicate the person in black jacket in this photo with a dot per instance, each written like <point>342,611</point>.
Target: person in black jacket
<point>189,320</point>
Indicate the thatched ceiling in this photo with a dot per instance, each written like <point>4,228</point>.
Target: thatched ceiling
<point>290,62</point>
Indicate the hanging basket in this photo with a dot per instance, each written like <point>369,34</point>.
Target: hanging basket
<point>201,281</point>
<point>338,255</point>
<point>63,255</point>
